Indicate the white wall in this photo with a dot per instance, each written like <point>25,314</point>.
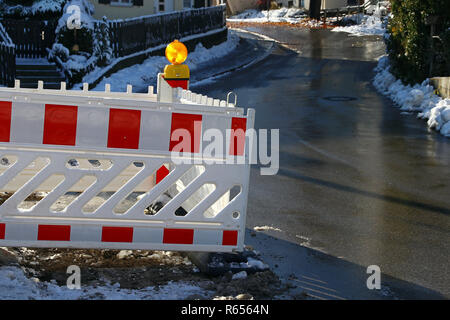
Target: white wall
<point>237,6</point>
<point>332,4</point>
<point>122,12</point>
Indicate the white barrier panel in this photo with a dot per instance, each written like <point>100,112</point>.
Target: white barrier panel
<point>110,179</point>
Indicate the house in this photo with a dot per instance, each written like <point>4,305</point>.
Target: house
<point>122,9</point>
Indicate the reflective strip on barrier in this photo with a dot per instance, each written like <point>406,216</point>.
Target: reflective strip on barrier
<point>129,237</point>
<point>68,125</point>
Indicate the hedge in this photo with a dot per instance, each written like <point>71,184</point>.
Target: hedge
<point>413,53</point>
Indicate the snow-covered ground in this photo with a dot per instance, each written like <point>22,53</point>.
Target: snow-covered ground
<point>419,98</point>
<point>14,285</point>
<point>290,15</point>
<point>356,24</point>
<point>139,76</point>
<point>40,274</point>
<point>366,25</point>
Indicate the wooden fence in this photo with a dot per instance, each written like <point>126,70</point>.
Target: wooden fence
<point>7,58</point>
<point>138,34</point>
<point>31,38</point>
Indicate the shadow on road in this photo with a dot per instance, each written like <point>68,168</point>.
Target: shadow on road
<point>322,276</point>
<point>384,197</point>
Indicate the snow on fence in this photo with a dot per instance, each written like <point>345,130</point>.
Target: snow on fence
<point>7,57</point>
<point>138,34</point>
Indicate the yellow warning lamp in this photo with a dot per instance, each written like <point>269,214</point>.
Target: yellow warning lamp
<point>176,74</point>
<point>176,52</point>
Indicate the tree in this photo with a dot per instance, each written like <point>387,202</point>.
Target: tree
<point>102,43</point>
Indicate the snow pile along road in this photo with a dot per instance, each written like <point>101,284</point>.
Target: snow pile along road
<point>290,15</point>
<point>418,98</point>
<point>366,25</point>
<point>143,75</point>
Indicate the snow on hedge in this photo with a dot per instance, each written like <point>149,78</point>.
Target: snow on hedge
<point>86,11</point>
<point>418,98</point>
<point>38,7</point>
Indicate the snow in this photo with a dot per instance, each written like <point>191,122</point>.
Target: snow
<point>142,74</point>
<point>40,6</point>
<point>124,253</point>
<point>34,61</point>
<point>369,25</point>
<point>14,285</point>
<point>239,275</point>
<point>86,11</point>
<point>290,15</point>
<point>419,98</point>
<point>361,24</point>
<point>254,263</point>
<point>266,228</point>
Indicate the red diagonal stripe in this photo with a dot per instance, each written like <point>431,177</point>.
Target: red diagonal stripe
<point>53,233</point>
<point>178,236</point>
<point>117,234</point>
<point>5,120</point>
<point>161,173</point>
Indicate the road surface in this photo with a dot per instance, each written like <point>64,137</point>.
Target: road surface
<point>359,184</point>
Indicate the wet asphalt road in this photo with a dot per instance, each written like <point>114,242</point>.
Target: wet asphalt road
<point>358,180</point>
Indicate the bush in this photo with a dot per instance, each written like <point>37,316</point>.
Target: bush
<point>58,50</point>
<point>409,43</point>
<point>102,43</point>
<point>82,37</point>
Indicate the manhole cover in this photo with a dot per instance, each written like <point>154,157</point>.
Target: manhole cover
<point>339,98</point>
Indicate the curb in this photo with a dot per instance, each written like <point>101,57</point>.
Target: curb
<point>239,67</point>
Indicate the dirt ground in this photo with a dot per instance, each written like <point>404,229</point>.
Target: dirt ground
<point>139,269</point>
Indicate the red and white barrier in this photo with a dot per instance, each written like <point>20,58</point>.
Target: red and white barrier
<point>51,127</point>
